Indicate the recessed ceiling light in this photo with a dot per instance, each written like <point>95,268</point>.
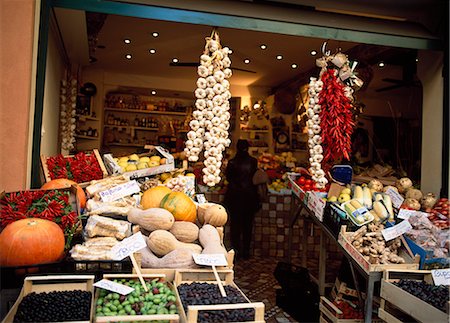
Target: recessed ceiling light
<point>381,64</point>
<point>127,41</point>
<point>155,34</point>
<point>246,61</point>
<point>294,65</point>
<point>279,57</point>
<point>152,51</point>
<point>263,46</point>
<point>128,56</point>
<point>175,60</point>
<point>153,92</point>
<point>313,53</point>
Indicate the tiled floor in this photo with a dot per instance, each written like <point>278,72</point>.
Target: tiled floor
<point>255,278</point>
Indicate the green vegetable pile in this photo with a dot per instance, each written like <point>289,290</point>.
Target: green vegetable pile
<point>159,299</point>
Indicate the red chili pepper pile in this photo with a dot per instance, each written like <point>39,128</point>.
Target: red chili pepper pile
<point>79,168</point>
<point>336,119</point>
<point>349,312</point>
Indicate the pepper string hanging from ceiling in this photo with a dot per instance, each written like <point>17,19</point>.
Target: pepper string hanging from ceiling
<point>210,124</point>
<point>330,113</point>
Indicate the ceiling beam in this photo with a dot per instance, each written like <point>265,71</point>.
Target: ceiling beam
<point>255,17</point>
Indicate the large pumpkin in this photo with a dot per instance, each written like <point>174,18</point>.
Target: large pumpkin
<point>153,196</point>
<point>30,242</point>
<point>181,206</point>
<point>64,183</point>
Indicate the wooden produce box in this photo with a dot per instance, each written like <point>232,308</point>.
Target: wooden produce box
<point>226,277</point>
<point>301,194</point>
<point>405,302</point>
<point>340,289</point>
<point>41,284</point>
<point>410,263</point>
<point>330,313</point>
<point>83,185</point>
<point>170,272</point>
<point>114,168</point>
<point>138,318</point>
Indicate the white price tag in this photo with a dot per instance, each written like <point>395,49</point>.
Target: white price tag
<point>396,231</point>
<point>397,199</point>
<point>441,276</point>
<point>316,205</point>
<point>216,259</point>
<point>406,214</point>
<point>128,246</point>
<point>114,287</point>
<point>119,191</point>
<point>201,199</point>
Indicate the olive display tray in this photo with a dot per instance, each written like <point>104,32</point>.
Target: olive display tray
<point>40,284</point>
<point>207,276</point>
<point>138,318</point>
<point>404,301</point>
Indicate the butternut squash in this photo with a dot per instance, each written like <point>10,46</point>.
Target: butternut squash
<point>162,242</point>
<point>151,219</point>
<point>210,240</point>
<point>178,258</point>
<point>216,215</point>
<point>185,231</point>
<point>201,209</point>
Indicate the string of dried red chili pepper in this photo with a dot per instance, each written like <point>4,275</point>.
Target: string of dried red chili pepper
<point>336,119</point>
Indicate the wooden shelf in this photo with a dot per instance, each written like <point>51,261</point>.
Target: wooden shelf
<point>146,111</point>
<point>85,118</point>
<point>132,127</point>
<point>86,137</point>
<point>126,145</point>
<point>262,131</point>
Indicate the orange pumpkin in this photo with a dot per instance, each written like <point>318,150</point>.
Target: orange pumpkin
<point>181,206</point>
<point>153,196</point>
<point>65,183</point>
<point>30,242</point>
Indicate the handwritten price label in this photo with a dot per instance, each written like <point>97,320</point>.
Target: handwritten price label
<point>406,214</point>
<point>119,191</point>
<point>396,231</point>
<point>397,199</point>
<point>114,287</point>
<point>217,259</point>
<point>128,246</point>
<point>441,276</point>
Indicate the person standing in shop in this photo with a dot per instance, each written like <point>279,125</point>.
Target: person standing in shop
<point>241,199</point>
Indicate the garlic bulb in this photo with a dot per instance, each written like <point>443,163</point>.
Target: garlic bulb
<point>211,117</point>
<point>68,111</point>
<point>314,130</point>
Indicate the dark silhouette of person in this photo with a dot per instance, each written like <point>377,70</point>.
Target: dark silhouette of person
<point>241,199</point>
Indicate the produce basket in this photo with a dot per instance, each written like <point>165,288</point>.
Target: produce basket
<point>427,261</point>
<point>341,289</point>
<point>301,194</point>
<point>41,284</point>
<point>168,166</point>
<point>397,302</point>
<point>334,217</point>
<point>330,313</point>
<point>170,272</point>
<point>137,318</point>
<point>95,152</point>
<point>410,263</point>
<point>226,277</point>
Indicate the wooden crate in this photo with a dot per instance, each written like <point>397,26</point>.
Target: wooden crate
<point>411,263</point>
<point>226,276</point>
<point>138,318</point>
<point>330,313</point>
<point>406,302</point>
<point>83,185</point>
<point>340,288</point>
<point>40,284</point>
<point>170,272</point>
<point>301,194</point>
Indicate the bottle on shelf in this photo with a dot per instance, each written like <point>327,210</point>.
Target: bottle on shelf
<point>136,121</point>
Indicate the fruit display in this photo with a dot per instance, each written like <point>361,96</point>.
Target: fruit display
<point>180,205</point>
<point>210,124</point>
<point>436,296</point>
<point>349,310</point>
<point>66,183</point>
<point>160,299</point>
<point>134,162</point>
<point>58,306</point>
<point>439,215</point>
<point>209,294</point>
<point>307,184</point>
<point>369,241</point>
<point>279,185</point>
<point>269,161</point>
